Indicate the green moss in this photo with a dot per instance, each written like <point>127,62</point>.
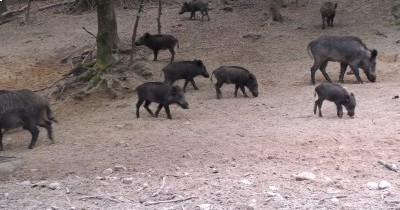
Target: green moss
<point>96,79</point>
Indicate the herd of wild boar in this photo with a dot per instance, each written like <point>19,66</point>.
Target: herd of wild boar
<point>26,109</point>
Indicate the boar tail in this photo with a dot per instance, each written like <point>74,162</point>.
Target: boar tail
<point>309,50</point>
<point>177,44</point>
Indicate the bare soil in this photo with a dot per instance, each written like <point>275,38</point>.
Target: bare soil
<point>233,153</point>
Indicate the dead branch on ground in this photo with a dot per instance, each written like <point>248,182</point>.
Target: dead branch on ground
<point>169,201</point>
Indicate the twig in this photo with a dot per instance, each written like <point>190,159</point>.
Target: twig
<point>169,201</point>
<point>392,167</point>
<point>98,197</point>
<point>83,27</point>
<point>161,186</point>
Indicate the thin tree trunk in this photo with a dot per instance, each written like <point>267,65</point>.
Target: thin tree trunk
<point>159,17</point>
<point>141,4</point>
<point>28,10</point>
<point>104,35</point>
<point>114,28</point>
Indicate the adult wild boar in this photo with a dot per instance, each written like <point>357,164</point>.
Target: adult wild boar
<point>328,10</point>
<point>336,94</point>
<point>239,76</point>
<point>163,94</point>
<point>193,6</point>
<point>158,42</point>
<point>348,50</point>
<point>184,70</point>
<point>26,109</point>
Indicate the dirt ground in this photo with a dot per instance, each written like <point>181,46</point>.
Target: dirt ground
<point>233,153</point>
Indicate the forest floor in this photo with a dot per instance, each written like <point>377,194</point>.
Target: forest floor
<point>233,153</point>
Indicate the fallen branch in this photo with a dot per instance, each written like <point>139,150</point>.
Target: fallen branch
<point>169,201</point>
<point>83,27</point>
<point>49,86</point>
<point>98,197</point>
<point>55,5</point>
<point>390,166</point>
<point>161,187</point>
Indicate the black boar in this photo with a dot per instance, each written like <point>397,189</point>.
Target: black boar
<point>348,50</point>
<point>239,76</point>
<point>192,7</point>
<point>184,70</point>
<point>158,42</point>
<point>24,108</point>
<point>336,94</point>
<point>161,93</point>
<point>328,10</point>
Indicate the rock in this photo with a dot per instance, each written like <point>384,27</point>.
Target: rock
<point>335,200</point>
<point>305,176</point>
<point>55,186</point>
<point>27,182</point>
<point>395,97</point>
<point>55,208</point>
<point>128,180</point>
<point>205,206</point>
<point>108,171</point>
<point>119,168</point>
<point>6,195</point>
<point>384,185</point>
<point>40,184</point>
<point>111,178</point>
<point>273,188</point>
<point>372,185</point>
<point>245,181</point>
<point>100,178</point>
<point>214,170</point>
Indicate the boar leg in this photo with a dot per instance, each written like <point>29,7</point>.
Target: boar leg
<point>323,70</point>
<point>155,54</point>
<point>194,84</point>
<point>314,69</point>
<point>243,91</point>
<point>192,15</point>
<point>357,73</point>
<point>185,85</point>
<point>218,86</point>
<point>323,22</point>
<point>146,106</point>
<point>47,124</point>
<point>343,68</point>
<point>172,51</point>
<point>30,125</point>
<point>138,104</point>
<point>166,107</point>
<point>158,109</point>
<point>339,110</point>
<point>319,104</point>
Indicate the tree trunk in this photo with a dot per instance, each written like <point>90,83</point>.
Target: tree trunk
<point>275,8</point>
<point>141,4</point>
<point>3,7</point>
<point>159,17</point>
<point>114,28</point>
<point>104,40</point>
<point>396,10</point>
<point>28,11</point>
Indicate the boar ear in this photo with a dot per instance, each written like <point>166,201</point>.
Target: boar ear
<point>175,90</point>
<point>352,94</point>
<point>335,5</point>
<point>185,4</point>
<point>252,77</point>
<point>146,35</point>
<point>374,53</point>
<point>347,98</point>
<point>199,62</point>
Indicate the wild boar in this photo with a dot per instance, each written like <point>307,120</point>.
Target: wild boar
<point>158,42</point>
<point>24,108</point>
<point>239,76</point>
<point>348,50</point>
<point>184,70</point>
<point>328,10</point>
<point>193,6</point>
<point>163,94</point>
<point>336,94</point>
